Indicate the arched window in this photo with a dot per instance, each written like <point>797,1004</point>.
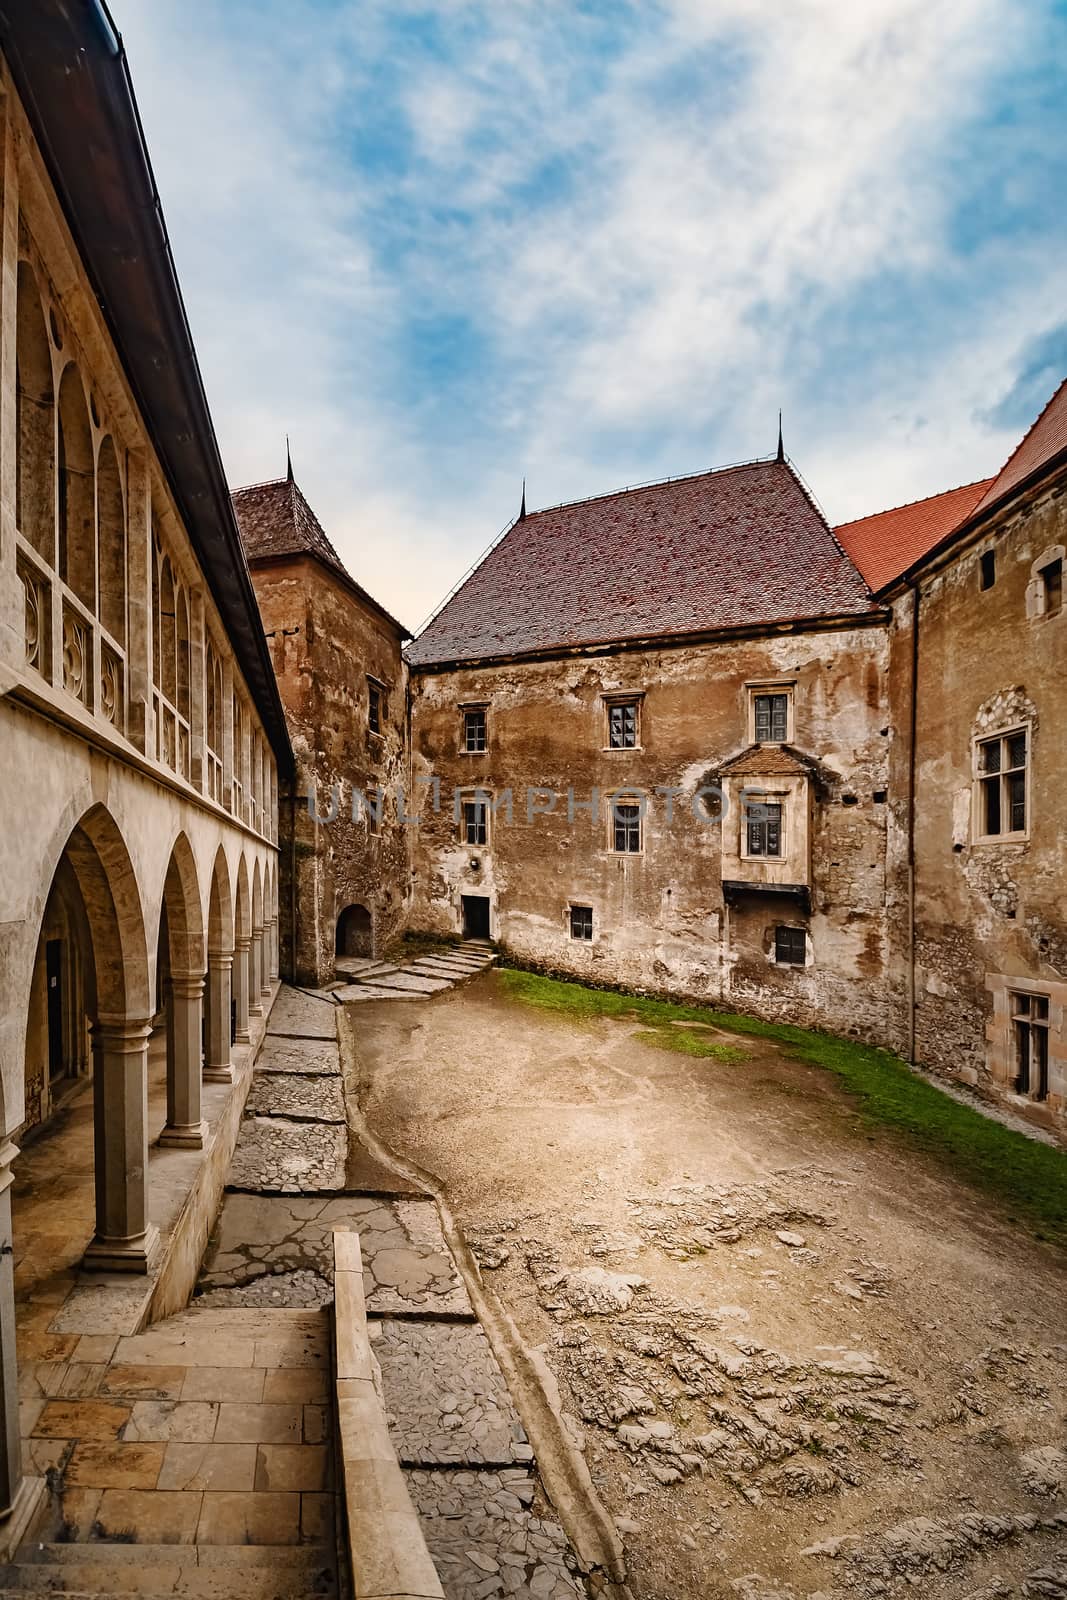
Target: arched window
<point>167,635</point>
<point>77,491</point>
<point>35,404</point>
<point>157,645</point>
<point>111,543</point>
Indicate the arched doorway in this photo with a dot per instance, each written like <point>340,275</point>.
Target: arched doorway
<point>355,932</point>
<point>180,986</point>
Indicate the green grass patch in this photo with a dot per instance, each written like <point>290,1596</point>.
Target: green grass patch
<point>1028,1179</point>
<point>690,1043</point>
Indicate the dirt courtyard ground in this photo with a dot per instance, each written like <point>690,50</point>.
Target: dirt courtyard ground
<point>802,1360</point>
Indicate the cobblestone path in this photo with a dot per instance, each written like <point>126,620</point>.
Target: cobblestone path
<point>459,1439</point>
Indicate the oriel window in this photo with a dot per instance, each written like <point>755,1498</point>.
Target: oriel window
<point>763,826</point>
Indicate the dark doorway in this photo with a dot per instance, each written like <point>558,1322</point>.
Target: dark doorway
<point>476,916</point>
<point>355,932</point>
<point>53,967</point>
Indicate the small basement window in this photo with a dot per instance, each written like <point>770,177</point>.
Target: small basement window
<point>1029,1022</point>
<point>988,568</point>
<point>1052,588</point>
<point>790,946</point>
<point>581,922</point>
<point>475,731</point>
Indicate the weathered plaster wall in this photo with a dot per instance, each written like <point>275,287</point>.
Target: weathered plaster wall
<point>989,912</point>
<point>327,645</point>
<point>660,922</point>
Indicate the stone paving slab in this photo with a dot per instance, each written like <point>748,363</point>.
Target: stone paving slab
<point>407,1265</point>
<point>487,1539</point>
<point>299,1055</point>
<point>370,991</point>
<point>302,1016</point>
<point>413,982</point>
<point>446,1399</point>
<point>286,1094</point>
<point>277,1156</point>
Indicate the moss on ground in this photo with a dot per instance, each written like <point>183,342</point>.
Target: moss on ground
<point>1027,1178</point>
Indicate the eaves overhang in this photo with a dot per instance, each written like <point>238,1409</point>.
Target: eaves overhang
<point>68,65</point>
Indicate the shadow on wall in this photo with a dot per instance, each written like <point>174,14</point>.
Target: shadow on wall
<point>355,932</point>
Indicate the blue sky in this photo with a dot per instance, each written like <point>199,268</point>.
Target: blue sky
<point>446,244</point>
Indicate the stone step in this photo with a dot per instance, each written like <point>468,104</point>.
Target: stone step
<point>171,1570</point>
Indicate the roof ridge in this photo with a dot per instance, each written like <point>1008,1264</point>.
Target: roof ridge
<point>264,483</point>
<point>906,505</point>
<point>651,483</point>
<point>1053,397</point>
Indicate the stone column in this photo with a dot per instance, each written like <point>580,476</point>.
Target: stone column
<point>185,1128</point>
<point>218,1068</point>
<point>265,959</point>
<point>241,959</point>
<point>125,1239</point>
<point>255,982</point>
<point>20,1498</point>
<point>274,947</point>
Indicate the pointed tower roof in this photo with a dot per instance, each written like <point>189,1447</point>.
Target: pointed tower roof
<point>276,521</point>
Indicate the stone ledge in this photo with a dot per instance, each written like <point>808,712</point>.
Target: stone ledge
<point>387,1550</point>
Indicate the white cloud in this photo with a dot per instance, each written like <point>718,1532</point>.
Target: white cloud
<point>654,230</point>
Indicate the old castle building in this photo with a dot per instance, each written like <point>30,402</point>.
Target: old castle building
<point>343,681</point>
<point>140,725</point>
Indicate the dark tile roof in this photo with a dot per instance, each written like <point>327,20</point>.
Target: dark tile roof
<point>1045,440</point>
<point>738,547</point>
<point>768,760</point>
<point>889,542</point>
<point>276,520</point>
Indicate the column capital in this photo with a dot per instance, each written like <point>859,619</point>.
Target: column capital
<point>220,960</point>
<point>121,1035</point>
<point>187,985</point>
<point>242,943</point>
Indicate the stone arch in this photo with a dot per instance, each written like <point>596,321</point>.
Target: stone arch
<point>243,922</point>
<point>182,907</point>
<point>111,542</point>
<point>35,407</point>
<point>355,931</point>
<point>77,490</point>
<point>220,907</point>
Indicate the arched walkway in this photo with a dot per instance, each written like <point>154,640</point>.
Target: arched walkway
<point>355,932</point>
<point>218,1065</point>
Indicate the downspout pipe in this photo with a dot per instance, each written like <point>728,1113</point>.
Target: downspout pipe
<point>913,723</point>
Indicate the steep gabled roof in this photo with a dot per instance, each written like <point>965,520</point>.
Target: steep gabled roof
<point>276,521</point>
<point>738,547</point>
<point>1045,441</point>
<point>889,542</point>
<point>767,761</point>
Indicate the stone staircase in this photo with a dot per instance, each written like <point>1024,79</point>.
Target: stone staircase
<point>427,974</point>
<point>198,1460</point>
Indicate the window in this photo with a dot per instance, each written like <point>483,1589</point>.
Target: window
<point>1052,587</point>
<point>790,946</point>
<point>581,922</point>
<point>622,725</point>
<point>1029,1023</point>
<point>763,828</point>
<point>626,821</point>
<point>988,568</point>
<point>475,822</point>
<point>1002,784</point>
<point>772,718</point>
<point>374,708</point>
<point>475,737</point>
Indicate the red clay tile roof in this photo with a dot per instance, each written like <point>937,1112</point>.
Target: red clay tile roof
<point>889,542</point>
<point>740,546</point>
<point>1046,440</point>
<point>276,520</point>
<point>767,760</point>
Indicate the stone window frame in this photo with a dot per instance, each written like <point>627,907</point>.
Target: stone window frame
<point>625,800</point>
<point>1030,1009</point>
<point>774,797</point>
<point>375,686</point>
<point>756,687</point>
<point>465,708</point>
<point>980,778</point>
<point>581,937</point>
<point>476,795</point>
<point>1000,1054</point>
<point>613,700</point>
<point>1037,589</point>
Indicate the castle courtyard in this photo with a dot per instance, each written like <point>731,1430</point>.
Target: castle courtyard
<point>798,1355</point>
